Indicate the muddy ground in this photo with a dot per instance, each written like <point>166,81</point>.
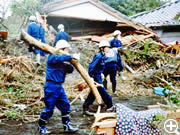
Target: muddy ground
<point>77,118</point>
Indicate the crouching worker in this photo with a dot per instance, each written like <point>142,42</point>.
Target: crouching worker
<point>54,92</point>
<point>111,68</point>
<point>96,68</point>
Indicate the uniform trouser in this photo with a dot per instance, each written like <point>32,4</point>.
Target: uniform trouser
<point>119,64</point>
<point>103,92</point>
<point>55,96</point>
<point>111,69</point>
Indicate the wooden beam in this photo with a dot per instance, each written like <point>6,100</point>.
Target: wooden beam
<point>47,48</point>
<point>123,25</point>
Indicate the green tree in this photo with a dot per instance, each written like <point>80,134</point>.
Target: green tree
<point>131,7</point>
<point>25,7</point>
<point>21,10</point>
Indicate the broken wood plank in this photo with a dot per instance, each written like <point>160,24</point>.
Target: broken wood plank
<point>140,39</point>
<point>106,131</point>
<point>81,38</point>
<point>105,123</point>
<point>101,116</point>
<point>77,65</point>
<point>130,69</point>
<point>98,38</point>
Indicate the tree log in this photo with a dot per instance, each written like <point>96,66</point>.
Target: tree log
<point>49,49</point>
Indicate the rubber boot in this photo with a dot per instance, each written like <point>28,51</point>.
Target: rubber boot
<point>86,110</point>
<point>67,125</point>
<point>105,83</point>
<point>114,88</point>
<point>42,127</point>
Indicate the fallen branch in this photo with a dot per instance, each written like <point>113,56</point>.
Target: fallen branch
<point>4,61</point>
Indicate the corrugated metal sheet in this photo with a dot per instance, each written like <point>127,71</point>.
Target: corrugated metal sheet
<point>159,17</point>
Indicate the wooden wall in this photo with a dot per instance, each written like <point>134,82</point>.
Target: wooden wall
<point>168,33</point>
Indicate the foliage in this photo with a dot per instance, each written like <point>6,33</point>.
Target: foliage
<point>131,7</point>
<point>25,7</point>
<point>4,10</point>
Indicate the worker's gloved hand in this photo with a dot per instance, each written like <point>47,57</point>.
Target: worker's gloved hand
<point>76,56</point>
<point>102,76</point>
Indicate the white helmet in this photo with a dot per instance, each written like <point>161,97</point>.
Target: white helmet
<point>104,43</point>
<point>60,27</point>
<point>116,32</point>
<point>40,21</point>
<point>32,18</point>
<point>62,44</point>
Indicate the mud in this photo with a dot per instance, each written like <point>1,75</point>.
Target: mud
<point>77,118</point>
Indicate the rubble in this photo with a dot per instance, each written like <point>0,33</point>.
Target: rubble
<point>22,81</point>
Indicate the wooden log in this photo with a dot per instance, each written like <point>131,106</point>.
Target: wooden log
<point>77,65</point>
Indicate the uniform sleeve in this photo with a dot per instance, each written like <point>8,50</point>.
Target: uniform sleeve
<point>56,59</point>
<point>93,64</point>
<point>69,68</point>
<point>111,42</point>
<point>120,43</point>
<point>57,39</point>
<point>29,30</point>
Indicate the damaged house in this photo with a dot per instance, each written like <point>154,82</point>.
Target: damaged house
<point>88,17</point>
<point>164,20</point>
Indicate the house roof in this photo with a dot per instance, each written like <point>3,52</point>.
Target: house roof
<point>162,16</point>
<point>85,9</point>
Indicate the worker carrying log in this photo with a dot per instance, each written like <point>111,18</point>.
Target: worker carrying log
<point>61,35</point>
<point>116,43</point>
<point>96,68</point>
<point>57,68</point>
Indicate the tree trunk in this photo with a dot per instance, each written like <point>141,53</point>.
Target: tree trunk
<point>47,48</point>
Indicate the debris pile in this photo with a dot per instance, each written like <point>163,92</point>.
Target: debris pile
<point>21,84</point>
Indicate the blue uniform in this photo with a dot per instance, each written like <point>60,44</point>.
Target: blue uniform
<point>96,67</point>
<point>117,43</point>
<point>61,36</point>
<point>33,30</point>
<point>54,92</point>
<point>111,65</point>
<point>42,38</point>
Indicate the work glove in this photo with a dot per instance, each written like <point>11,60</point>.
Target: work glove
<point>76,56</point>
<point>102,76</point>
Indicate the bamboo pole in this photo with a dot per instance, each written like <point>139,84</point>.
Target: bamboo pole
<point>47,48</point>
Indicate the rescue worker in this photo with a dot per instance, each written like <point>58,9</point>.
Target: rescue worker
<point>116,43</point>
<point>111,68</point>
<point>33,30</point>
<point>57,68</point>
<point>41,35</point>
<point>96,68</point>
<point>61,35</point>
